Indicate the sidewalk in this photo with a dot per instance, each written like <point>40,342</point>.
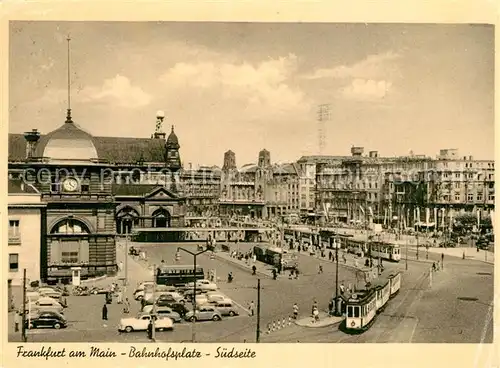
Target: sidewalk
<point>263,269</point>
<point>470,253</point>
<point>324,320</point>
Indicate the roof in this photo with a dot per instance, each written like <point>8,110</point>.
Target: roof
<point>133,189</point>
<point>18,187</point>
<point>113,149</point>
<point>172,140</point>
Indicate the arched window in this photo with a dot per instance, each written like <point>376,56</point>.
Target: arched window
<point>70,226</point>
<point>126,218</point>
<point>161,218</point>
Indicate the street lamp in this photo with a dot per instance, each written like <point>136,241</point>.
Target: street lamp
<point>193,337</point>
<point>337,244</point>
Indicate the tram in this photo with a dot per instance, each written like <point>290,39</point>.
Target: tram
<point>390,252</point>
<point>363,306</point>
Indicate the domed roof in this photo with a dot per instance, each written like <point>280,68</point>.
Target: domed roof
<point>172,140</point>
<point>68,142</point>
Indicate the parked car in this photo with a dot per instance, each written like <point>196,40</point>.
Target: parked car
<point>147,292</point>
<point>46,304</point>
<point>163,312</point>
<point>203,313</point>
<point>180,308</point>
<point>51,294</point>
<point>141,322</point>
<point>32,296</point>
<point>163,298</point>
<point>227,308</point>
<point>47,319</point>
<point>203,285</point>
<point>188,294</point>
<point>215,298</point>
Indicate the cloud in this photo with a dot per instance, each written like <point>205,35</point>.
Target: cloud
<point>367,89</point>
<point>266,84</point>
<point>372,67</point>
<point>117,91</point>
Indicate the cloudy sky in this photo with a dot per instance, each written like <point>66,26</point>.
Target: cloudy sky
<point>249,86</point>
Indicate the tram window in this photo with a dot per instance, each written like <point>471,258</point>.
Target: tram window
<point>356,311</point>
<point>349,311</point>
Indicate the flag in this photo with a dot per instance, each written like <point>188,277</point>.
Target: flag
<point>371,211</point>
<point>436,217</point>
<point>478,218</point>
<point>362,209</point>
<point>427,215</point>
<point>443,217</point>
<point>418,215</point>
<point>414,216</point>
<point>451,219</point>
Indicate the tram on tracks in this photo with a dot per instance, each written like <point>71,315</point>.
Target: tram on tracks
<point>362,306</point>
<point>375,249</point>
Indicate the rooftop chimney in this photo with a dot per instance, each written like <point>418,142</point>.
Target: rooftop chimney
<point>373,154</point>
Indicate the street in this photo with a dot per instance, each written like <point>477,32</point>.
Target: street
<point>454,307</point>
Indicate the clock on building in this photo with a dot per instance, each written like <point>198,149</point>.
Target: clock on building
<point>70,184</point>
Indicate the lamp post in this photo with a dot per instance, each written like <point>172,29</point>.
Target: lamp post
<point>193,330</point>
<point>337,244</point>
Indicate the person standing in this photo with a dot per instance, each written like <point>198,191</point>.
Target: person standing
<point>17,318</point>
<point>295,311</point>
<point>105,312</point>
<point>442,261</point>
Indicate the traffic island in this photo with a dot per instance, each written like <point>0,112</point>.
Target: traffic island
<point>324,320</point>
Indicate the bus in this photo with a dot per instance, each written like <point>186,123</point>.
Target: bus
<point>178,275</point>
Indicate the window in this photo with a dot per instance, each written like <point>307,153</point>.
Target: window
<point>479,196</point>
<point>457,197</point>
<point>457,175</point>
<point>356,311</point>
<point>491,197</point>
<point>86,185</point>
<point>13,262</point>
<point>69,257</point>
<point>470,197</point>
<point>14,232</point>
<point>457,185</point>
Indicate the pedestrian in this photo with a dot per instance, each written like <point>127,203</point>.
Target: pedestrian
<point>17,317</point>
<point>254,270</point>
<point>320,269</point>
<point>251,308</point>
<point>126,306</point>
<point>295,311</point>
<point>275,273</point>
<point>442,260</point>
<point>315,315</point>
<point>344,258</point>
<point>119,299</point>
<point>105,312</point>
<point>330,256</point>
<point>296,273</point>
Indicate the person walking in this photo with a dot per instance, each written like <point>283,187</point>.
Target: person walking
<point>320,269</point>
<point>251,308</point>
<point>275,273</point>
<point>126,306</point>
<point>296,274</point>
<point>105,312</point>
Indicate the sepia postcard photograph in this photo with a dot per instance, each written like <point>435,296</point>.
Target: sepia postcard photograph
<point>249,182</point>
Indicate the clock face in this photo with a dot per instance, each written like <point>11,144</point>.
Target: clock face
<point>70,185</point>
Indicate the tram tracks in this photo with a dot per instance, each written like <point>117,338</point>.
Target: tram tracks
<point>400,321</point>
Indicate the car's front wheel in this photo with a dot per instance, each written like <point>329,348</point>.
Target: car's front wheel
<point>193,319</point>
<point>216,318</point>
<point>57,326</point>
<point>232,314</point>
<point>128,329</point>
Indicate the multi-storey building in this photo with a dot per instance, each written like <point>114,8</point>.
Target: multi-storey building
<point>27,239</point>
<point>282,191</point>
<point>93,190</point>
<point>411,190</point>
